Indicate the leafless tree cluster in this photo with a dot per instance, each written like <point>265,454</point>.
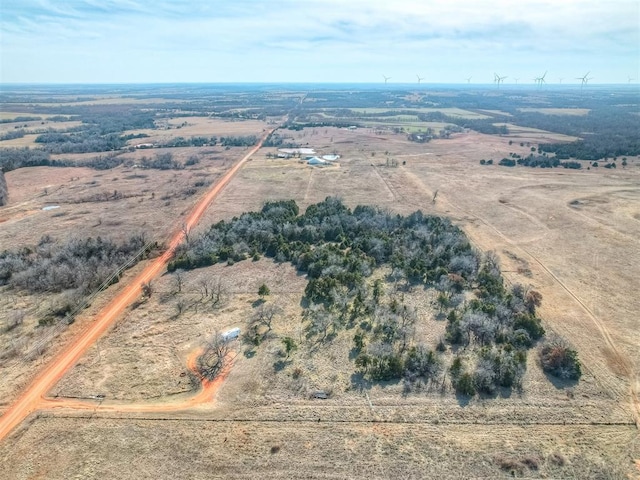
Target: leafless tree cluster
<point>212,291</point>
<point>75,269</point>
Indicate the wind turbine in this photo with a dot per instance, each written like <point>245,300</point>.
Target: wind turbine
<point>540,80</point>
<point>419,78</point>
<point>469,79</point>
<point>584,80</point>
<point>386,79</point>
<point>630,79</point>
<point>561,78</point>
<point>516,79</point>
<point>498,79</point>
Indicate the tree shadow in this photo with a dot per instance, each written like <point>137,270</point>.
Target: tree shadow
<point>280,365</point>
<point>258,302</point>
<point>463,400</point>
<point>560,383</point>
<point>329,337</point>
<point>360,384</point>
<point>504,392</point>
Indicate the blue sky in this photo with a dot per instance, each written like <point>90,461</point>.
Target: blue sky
<point>129,41</point>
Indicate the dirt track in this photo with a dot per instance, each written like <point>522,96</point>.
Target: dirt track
<point>33,397</point>
<point>206,393</point>
<point>622,362</point>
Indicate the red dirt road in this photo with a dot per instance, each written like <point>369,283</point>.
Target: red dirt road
<point>205,395</point>
<point>33,396</point>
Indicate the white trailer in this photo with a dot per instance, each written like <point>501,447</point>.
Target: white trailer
<point>230,334</point>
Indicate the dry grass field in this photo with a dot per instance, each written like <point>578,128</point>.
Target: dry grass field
<point>36,126</point>
<point>154,202</point>
<point>198,126</point>
<point>571,235</point>
<point>518,133</point>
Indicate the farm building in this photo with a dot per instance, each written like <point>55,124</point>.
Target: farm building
<point>301,151</point>
<point>317,161</point>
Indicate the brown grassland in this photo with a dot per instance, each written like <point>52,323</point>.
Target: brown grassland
<point>571,235</point>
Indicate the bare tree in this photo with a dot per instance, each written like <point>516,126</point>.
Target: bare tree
<point>319,320</point>
<point>178,280</point>
<point>205,286</point>
<point>212,290</point>
<point>218,292</point>
<point>186,231</point>
<point>213,358</point>
<point>181,306</point>
<point>264,316</point>
<point>147,289</point>
<point>407,328</point>
<point>492,263</point>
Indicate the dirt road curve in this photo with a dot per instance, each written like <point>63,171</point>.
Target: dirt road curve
<point>205,395</point>
<point>32,397</point>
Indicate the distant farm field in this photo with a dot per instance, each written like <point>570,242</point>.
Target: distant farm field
<point>558,111</point>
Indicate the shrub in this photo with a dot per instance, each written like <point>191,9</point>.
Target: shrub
<point>559,359</point>
<point>263,291</point>
<point>507,162</point>
<point>530,323</point>
<point>464,385</point>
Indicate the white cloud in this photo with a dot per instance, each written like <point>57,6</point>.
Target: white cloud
<point>129,40</point>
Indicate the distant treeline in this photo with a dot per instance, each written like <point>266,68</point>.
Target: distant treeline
<point>189,142</point>
<point>11,134</point>
<point>541,161</point>
<point>80,142</point>
<point>239,141</point>
<point>297,126</point>
<point>14,158</point>
<point>605,132</point>
<point>276,140</point>
<point>21,118</point>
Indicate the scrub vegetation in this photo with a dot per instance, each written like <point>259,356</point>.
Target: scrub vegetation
<point>340,249</point>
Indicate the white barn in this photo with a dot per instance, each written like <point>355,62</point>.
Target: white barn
<point>317,161</point>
